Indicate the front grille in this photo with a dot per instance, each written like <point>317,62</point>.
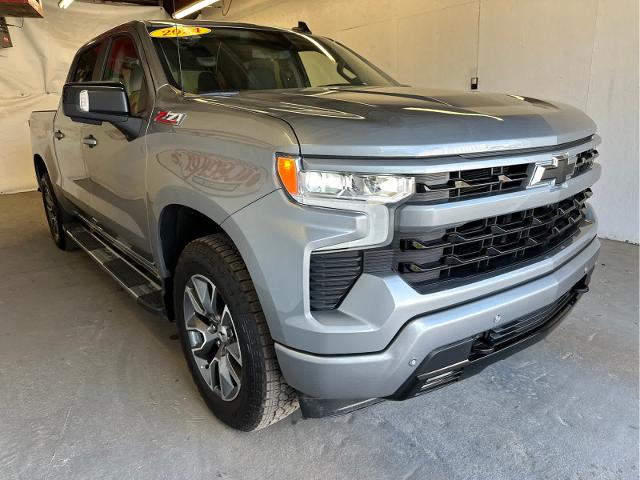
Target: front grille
<point>444,258</point>
<point>584,161</point>
<point>464,184</point>
<point>447,258</point>
<point>331,277</point>
<point>436,260</point>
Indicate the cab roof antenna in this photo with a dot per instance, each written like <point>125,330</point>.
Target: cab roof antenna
<point>302,28</point>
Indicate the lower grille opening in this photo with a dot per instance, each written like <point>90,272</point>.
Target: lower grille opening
<point>458,360</point>
<point>441,380</point>
<point>331,277</point>
<point>508,333</point>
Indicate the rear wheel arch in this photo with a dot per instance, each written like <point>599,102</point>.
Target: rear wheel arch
<point>40,168</point>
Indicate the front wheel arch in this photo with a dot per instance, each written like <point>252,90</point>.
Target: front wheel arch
<point>178,225</point>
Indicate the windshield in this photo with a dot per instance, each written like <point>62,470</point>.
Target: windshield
<point>231,59</point>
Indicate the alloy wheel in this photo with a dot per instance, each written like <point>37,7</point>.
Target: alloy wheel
<point>212,337</point>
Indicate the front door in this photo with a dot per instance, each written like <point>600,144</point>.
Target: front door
<point>74,177</point>
<point>116,165</point>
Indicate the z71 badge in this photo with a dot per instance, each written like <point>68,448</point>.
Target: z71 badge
<point>169,118</point>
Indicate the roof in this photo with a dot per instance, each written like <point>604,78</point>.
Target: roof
<point>208,23</point>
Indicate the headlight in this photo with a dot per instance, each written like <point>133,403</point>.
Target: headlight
<point>312,187</point>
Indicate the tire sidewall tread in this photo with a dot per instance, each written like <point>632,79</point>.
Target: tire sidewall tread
<point>63,243</point>
<point>264,396</point>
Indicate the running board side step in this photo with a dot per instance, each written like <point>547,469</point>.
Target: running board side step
<point>146,291</point>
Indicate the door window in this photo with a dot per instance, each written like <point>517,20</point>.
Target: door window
<point>87,64</point>
<point>124,65</point>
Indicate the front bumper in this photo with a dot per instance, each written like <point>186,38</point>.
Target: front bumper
<point>385,373</point>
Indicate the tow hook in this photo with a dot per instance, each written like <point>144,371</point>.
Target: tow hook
<point>581,290</point>
<point>480,347</point>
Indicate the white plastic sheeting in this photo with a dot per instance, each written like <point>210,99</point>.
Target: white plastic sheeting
<point>33,71</point>
<point>580,52</point>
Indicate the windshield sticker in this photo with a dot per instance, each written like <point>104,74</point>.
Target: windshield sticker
<point>179,31</point>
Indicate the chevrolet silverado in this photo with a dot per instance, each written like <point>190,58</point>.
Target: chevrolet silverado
<point>323,236</point>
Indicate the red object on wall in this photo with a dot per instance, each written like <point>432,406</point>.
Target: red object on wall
<point>21,8</point>
<point>5,37</point>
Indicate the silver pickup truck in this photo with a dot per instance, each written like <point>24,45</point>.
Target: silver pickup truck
<point>322,235</point>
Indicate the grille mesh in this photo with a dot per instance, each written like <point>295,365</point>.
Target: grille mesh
<point>446,258</point>
<point>585,161</point>
<point>465,183</point>
<point>488,244</point>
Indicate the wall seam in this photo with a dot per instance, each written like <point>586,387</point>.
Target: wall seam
<point>478,43</point>
<point>593,49</point>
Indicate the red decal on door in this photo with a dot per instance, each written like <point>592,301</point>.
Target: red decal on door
<point>169,118</point>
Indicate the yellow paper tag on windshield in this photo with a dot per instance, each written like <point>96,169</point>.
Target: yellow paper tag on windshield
<point>179,31</point>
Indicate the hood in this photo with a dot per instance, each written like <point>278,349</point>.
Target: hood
<point>410,122</point>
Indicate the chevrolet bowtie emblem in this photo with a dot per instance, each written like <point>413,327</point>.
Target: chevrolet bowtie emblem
<point>553,172</point>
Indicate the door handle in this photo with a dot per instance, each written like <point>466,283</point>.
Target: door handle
<point>58,134</point>
<point>90,141</point>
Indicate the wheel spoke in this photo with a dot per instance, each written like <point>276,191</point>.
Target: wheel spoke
<point>196,323</point>
<point>195,301</point>
<point>233,349</point>
<point>225,378</point>
<point>235,373</point>
<point>225,317</point>
<point>206,292</point>
<point>205,369</point>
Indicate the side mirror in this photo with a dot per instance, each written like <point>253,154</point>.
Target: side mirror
<point>97,102</point>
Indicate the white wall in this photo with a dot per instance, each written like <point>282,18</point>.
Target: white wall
<point>582,52</point>
<point>33,71</point>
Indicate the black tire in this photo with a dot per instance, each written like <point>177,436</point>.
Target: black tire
<point>55,215</point>
<point>263,397</point>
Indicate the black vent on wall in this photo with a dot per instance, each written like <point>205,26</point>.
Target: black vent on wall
<point>5,37</point>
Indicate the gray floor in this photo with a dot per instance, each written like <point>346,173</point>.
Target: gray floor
<point>93,387</point>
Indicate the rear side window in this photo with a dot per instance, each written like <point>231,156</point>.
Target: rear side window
<point>124,65</point>
<point>87,64</point>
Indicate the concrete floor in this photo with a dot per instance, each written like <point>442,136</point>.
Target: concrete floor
<point>93,387</point>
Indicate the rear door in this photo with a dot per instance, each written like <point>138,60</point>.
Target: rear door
<point>116,165</point>
<point>74,179</point>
